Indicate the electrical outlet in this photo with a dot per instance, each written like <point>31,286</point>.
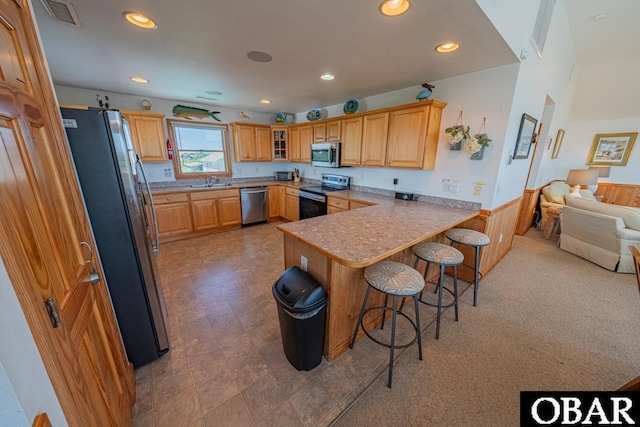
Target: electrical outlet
<point>303,262</point>
<point>167,173</point>
<point>150,173</point>
<point>498,190</point>
<point>453,187</point>
<point>445,185</point>
<point>477,189</point>
<point>500,239</point>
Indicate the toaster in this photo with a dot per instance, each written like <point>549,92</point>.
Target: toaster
<point>284,176</point>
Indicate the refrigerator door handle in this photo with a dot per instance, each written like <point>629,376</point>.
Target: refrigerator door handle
<point>155,245</point>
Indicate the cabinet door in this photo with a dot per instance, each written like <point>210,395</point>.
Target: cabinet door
<point>351,141</point>
<point>294,144</point>
<point>306,138</point>
<point>275,195</point>
<point>407,133</point>
<point>374,139</point>
<point>279,142</point>
<point>333,131</point>
<point>333,210</point>
<point>319,132</point>
<point>173,218</point>
<point>205,214</point>
<point>263,144</point>
<point>244,143</point>
<point>293,208</point>
<point>148,137</point>
<point>229,211</point>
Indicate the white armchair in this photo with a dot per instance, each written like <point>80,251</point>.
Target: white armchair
<point>555,195</point>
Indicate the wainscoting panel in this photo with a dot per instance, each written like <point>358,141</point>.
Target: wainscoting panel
<point>619,194</point>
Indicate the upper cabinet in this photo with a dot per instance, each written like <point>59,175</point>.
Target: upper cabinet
<point>405,136</point>
<point>147,133</point>
<point>251,143</point>
<point>279,143</point>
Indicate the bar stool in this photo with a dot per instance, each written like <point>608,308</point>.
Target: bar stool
<point>444,256</point>
<point>396,280</point>
<point>476,240</point>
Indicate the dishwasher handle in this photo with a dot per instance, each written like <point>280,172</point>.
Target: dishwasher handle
<point>257,190</point>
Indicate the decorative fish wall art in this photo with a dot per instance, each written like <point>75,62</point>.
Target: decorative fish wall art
<point>189,112</point>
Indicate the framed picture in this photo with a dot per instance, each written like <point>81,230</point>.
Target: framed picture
<point>558,144</point>
<point>611,149</point>
<point>525,137</point>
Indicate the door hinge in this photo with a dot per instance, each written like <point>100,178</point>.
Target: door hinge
<point>54,316</point>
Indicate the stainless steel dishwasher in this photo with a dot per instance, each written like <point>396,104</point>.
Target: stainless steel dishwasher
<point>255,204</point>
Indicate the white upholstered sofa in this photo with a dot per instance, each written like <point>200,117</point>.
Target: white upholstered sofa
<point>600,233</point>
<point>555,195</point>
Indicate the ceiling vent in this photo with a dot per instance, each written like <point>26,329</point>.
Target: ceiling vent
<point>63,11</point>
<point>541,27</point>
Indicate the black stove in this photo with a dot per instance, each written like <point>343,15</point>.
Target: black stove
<point>313,201</point>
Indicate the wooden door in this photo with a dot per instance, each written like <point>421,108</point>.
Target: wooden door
<point>205,214</point>
<point>263,144</point>
<point>407,133</point>
<point>351,141</point>
<point>294,144</point>
<point>148,136</point>
<point>374,139</point>
<point>306,138</point>
<point>229,212</point>
<point>45,239</point>
<point>333,130</point>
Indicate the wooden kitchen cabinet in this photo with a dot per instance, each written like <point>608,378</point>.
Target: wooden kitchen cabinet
<point>292,205</point>
<point>147,133</point>
<point>335,205</point>
<point>351,141</point>
<point>413,137</point>
<point>333,130</point>
<point>229,212</point>
<point>279,143</point>
<point>374,139</point>
<point>173,214</point>
<point>294,144</point>
<point>276,195</point>
<point>319,132</point>
<point>306,139</point>
<point>205,214</point>
<point>329,131</point>
<point>251,143</point>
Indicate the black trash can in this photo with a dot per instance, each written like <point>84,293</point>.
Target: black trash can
<point>302,310</point>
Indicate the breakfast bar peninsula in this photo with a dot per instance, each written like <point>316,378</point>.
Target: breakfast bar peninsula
<point>338,248</point>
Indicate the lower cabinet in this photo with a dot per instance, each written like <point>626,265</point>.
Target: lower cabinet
<point>173,219</point>
<point>276,200</point>
<point>292,205</point>
<point>335,205</point>
<point>205,214</point>
<point>229,212</point>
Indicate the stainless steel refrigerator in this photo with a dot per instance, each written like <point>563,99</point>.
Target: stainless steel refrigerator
<point>120,208</point>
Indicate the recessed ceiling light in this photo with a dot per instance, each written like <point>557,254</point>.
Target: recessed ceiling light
<point>447,47</point>
<point>599,16</point>
<point>327,77</point>
<point>139,79</point>
<point>257,56</point>
<point>213,92</point>
<point>139,20</point>
<point>394,7</point>
<point>265,101</point>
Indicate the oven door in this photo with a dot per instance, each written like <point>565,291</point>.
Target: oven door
<point>312,204</point>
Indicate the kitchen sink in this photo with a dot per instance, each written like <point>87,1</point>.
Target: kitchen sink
<point>225,184</point>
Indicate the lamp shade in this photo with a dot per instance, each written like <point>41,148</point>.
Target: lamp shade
<point>603,171</point>
<point>582,177</point>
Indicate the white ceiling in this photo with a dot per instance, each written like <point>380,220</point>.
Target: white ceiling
<point>201,46</point>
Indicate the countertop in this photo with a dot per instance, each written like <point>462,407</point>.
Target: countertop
<point>361,237</point>
<point>186,188</point>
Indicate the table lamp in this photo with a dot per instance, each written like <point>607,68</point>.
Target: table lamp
<point>603,172</point>
<point>578,177</point>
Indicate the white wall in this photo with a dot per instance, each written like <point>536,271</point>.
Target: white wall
<point>538,78</point>
<point>20,359</point>
<point>11,413</point>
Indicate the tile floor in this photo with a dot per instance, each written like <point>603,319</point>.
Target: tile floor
<point>226,365</point>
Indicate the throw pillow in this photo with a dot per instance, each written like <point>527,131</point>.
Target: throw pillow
<point>556,191</point>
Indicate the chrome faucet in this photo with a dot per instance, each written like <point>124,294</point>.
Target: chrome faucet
<point>212,180</point>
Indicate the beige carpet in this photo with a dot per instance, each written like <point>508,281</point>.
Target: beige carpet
<point>546,320</point>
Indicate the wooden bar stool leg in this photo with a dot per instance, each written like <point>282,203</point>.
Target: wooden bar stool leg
<point>364,305</point>
<point>393,340</point>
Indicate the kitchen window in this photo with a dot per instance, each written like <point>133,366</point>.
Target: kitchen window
<point>200,149</point>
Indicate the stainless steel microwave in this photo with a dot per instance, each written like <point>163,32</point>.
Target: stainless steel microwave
<point>326,154</point>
